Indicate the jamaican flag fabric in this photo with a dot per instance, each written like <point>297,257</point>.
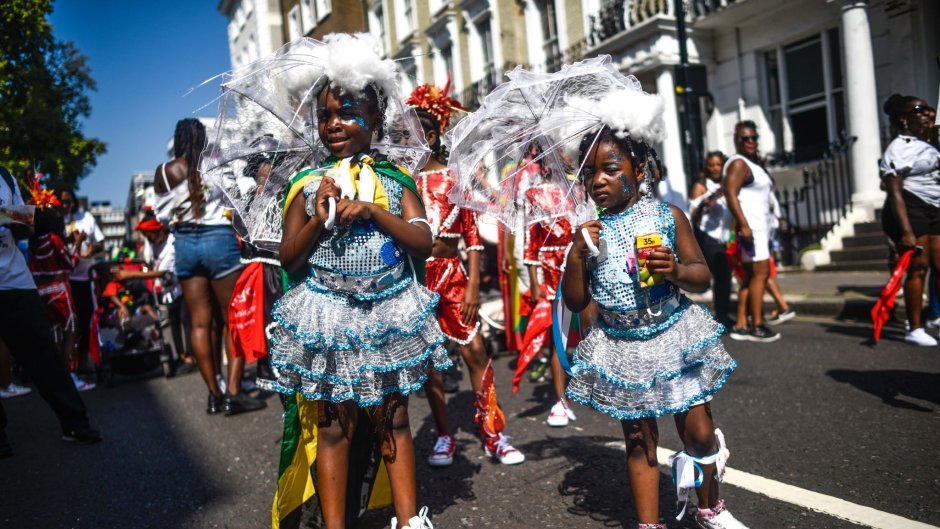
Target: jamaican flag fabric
<point>295,502</point>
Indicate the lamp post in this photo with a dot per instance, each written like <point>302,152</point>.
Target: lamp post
<point>685,89</point>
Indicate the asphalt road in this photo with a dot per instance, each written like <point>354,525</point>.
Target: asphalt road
<point>819,410</point>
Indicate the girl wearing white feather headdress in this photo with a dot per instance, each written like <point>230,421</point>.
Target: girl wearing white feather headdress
<point>654,352</point>
<point>356,329</point>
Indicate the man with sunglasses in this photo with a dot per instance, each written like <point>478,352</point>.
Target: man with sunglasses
<point>749,192</point>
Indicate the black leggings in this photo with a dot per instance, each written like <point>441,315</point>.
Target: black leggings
<point>25,329</point>
<point>714,252</point>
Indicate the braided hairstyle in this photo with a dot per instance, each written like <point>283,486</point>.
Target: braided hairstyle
<point>189,140</point>
<point>430,123</point>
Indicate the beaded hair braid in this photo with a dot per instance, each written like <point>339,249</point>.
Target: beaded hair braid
<point>189,140</point>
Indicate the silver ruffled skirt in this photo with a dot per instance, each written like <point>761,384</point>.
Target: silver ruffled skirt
<point>681,365</point>
<point>331,347</point>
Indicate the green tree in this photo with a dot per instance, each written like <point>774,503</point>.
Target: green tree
<point>43,97</point>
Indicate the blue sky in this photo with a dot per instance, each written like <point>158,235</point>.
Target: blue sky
<point>144,56</point>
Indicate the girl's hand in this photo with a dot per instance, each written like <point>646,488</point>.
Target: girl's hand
<point>348,211</point>
<point>593,228</point>
<point>662,261</point>
<point>326,191</point>
<point>746,234</point>
<point>470,305</point>
<point>535,292</point>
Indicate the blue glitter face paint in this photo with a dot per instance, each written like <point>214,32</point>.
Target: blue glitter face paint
<point>348,104</point>
<point>361,122</point>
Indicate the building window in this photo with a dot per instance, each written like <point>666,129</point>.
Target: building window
<point>407,18</point>
<point>486,46</point>
<point>308,17</point>
<point>377,25</point>
<point>293,23</point>
<point>805,96</point>
<point>324,8</point>
<point>447,54</point>
<point>550,44</point>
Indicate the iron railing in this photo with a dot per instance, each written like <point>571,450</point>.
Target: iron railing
<point>701,8</point>
<point>472,96</point>
<point>810,210</point>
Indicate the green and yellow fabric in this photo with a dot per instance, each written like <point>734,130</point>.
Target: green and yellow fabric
<point>296,500</point>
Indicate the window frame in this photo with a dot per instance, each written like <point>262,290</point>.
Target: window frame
<point>784,141</point>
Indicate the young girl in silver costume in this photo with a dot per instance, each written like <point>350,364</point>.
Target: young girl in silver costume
<point>653,352</point>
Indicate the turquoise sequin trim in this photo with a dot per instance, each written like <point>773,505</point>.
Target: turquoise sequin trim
<point>333,379</point>
<point>646,332</point>
<point>350,299</point>
<point>623,415</point>
<point>342,397</point>
<point>582,366</point>
<point>315,341</point>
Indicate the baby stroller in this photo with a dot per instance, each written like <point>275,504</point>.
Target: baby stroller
<point>128,341</point>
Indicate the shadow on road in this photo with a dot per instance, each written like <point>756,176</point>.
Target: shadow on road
<point>596,483</point>
<point>892,384</point>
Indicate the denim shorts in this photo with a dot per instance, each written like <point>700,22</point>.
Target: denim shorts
<point>205,251</point>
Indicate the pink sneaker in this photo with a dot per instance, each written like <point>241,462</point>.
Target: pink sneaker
<point>443,453</point>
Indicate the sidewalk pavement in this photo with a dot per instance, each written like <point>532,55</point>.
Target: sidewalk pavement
<point>841,295</point>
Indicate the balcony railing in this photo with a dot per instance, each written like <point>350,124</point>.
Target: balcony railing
<point>472,96</point>
<point>701,8</point>
<point>617,15</point>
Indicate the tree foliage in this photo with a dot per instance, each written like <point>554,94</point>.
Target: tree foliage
<point>43,97</point>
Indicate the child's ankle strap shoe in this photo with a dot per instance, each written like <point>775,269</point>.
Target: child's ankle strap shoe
<point>718,517</point>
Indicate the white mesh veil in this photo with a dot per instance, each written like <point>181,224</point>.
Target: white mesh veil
<point>267,112</point>
<point>528,132</point>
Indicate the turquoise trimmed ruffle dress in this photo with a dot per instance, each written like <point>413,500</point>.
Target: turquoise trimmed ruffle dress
<point>652,352</point>
<point>360,326</point>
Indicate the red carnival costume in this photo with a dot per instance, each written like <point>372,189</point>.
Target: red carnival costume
<point>447,276</point>
<point>545,246</point>
<point>51,263</point>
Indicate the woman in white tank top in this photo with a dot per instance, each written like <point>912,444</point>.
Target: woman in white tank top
<point>208,260</point>
<point>748,190</point>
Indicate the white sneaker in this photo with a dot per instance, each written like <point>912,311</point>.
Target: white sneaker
<point>14,390</point>
<point>933,324</point>
<point>443,453</point>
<point>921,338</point>
<point>560,415</point>
<point>421,521</point>
<point>717,518</point>
<point>500,448</point>
<point>82,385</point>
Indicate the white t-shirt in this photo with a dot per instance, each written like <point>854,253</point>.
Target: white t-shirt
<point>918,162</point>
<point>164,260</point>
<point>14,273</point>
<point>716,219</point>
<point>83,222</point>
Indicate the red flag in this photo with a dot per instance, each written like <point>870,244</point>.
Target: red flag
<point>489,415</point>
<point>882,309</point>
<point>536,335</point>
<point>246,314</point>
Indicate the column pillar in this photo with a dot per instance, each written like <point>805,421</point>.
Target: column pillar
<point>861,98</point>
<point>672,146</point>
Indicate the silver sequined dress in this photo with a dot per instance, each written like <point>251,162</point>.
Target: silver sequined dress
<point>640,363</point>
<point>359,327</point>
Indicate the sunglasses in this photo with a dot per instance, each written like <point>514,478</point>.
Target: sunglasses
<point>920,109</point>
<point>745,139</point>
